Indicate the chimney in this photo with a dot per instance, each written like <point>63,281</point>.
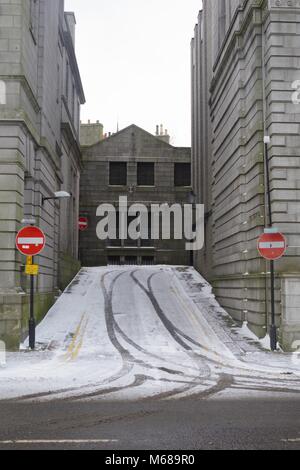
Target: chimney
<point>90,133</point>
<point>162,134</point>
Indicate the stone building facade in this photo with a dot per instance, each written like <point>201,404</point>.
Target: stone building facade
<point>245,60</point>
<point>39,152</point>
<point>146,169</point>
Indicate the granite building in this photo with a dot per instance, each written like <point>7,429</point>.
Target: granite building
<point>245,60</point>
<point>40,97</point>
<point>146,169</point>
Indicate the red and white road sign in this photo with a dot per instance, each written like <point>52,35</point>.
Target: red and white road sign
<point>30,241</point>
<point>272,246</point>
<point>83,224</point>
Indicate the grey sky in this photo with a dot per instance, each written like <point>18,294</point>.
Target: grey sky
<point>134,57</point>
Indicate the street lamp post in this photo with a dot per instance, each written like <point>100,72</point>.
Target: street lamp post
<point>273,329</point>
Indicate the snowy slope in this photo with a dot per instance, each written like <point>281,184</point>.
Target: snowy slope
<point>135,332</point>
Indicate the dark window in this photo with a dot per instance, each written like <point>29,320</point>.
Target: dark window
<point>182,174</point>
<point>114,261</point>
<point>145,174</point>
<point>148,260</point>
<point>131,260</point>
<point>118,174</point>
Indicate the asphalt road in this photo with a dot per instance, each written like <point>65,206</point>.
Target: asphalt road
<point>186,424</point>
<point>150,374</point>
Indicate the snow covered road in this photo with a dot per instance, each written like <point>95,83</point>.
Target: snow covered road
<point>133,333</point>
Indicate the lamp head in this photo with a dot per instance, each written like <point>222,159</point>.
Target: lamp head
<point>62,195</point>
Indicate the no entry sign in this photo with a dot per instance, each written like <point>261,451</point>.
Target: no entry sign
<point>83,224</point>
<point>30,241</point>
<point>272,246</point>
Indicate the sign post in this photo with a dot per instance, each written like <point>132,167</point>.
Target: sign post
<point>272,246</point>
<point>31,241</point>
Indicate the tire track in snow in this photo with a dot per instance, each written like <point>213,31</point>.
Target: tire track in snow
<point>257,381</point>
<point>204,370</point>
<point>115,326</point>
<point>128,359</point>
<point>175,332</point>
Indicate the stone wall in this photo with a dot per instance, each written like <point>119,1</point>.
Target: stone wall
<point>250,56</point>
<point>39,152</point>
<point>131,145</point>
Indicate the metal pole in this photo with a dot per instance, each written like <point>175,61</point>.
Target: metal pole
<point>273,329</point>
<point>31,318</point>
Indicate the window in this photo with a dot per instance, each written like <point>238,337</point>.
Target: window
<point>145,174</point>
<point>182,174</point>
<point>131,260</point>
<point>118,174</point>
<point>34,18</point>
<point>113,260</point>
<point>148,260</point>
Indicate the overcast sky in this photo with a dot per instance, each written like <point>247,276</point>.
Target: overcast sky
<point>134,57</point>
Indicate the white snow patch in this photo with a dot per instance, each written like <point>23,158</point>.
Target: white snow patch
<point>245,332</point>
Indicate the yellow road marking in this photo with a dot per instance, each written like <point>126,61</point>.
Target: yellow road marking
<point>75,345</point>
<point>79,345</point>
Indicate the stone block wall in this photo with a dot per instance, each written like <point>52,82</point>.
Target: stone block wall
<point>249,53</point>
